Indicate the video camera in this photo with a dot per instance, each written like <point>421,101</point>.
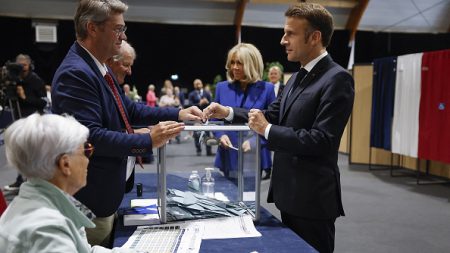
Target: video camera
<point>9,77</point>
<point>10,74</point>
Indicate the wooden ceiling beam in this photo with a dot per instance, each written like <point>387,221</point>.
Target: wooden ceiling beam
<point>238,17</point>
<point>355,17</point>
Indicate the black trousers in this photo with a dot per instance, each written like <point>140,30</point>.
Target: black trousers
<point>317,233</point>
<point>198,145</point>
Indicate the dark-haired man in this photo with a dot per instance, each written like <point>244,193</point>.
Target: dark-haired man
<point>304,126</point>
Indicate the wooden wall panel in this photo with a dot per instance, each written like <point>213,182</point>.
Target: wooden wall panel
<point>360,120</point>
<point>344,147</point>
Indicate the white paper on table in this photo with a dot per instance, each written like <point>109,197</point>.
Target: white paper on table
<point>220,196</point>
<point>229,227</point>
<point>248,196</point>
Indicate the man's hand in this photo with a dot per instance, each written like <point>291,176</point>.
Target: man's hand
<point>246,146</point>
<point>192,113</point>
<point>203,101</point>
<point>142,130</point>
<point>21,92</point>
<point>257,122</point>
<point>215,110</point>
<point>164,131</point>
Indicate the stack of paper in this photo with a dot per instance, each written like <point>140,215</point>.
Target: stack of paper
<point>142,212</point>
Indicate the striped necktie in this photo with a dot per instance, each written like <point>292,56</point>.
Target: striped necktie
<point>115,92</point>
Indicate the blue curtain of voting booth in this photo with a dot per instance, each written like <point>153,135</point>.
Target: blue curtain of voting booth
<point>384,72</point>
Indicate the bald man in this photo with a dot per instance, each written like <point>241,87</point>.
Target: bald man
<point>122,62</point>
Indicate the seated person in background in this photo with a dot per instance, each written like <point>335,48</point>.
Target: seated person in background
<point>151,96</point>
<point>131,93</point>
<point>167,85</point>
<point>169,100</point>
<point>179,94</point>
<point>275,74</point>
<point>52,152</point>
<point>244,89</point>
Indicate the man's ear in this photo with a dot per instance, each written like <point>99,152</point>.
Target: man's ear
<point>92,28</point>
<point>64,165</point>
<point>316,37</point>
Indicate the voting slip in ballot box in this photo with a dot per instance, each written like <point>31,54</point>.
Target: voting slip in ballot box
<point>241,129</point>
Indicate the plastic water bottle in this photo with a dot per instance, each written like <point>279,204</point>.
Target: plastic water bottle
<point>208,183</point>
<point>194,181</point>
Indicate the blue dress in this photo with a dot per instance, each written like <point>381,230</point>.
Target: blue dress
<point>258,95</point>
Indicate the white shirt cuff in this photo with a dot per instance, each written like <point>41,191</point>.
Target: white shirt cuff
<point>230,116</point>
<point>266,131</point>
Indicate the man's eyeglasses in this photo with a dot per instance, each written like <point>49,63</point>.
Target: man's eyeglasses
<point>120,30</point>
<point>88,149</point>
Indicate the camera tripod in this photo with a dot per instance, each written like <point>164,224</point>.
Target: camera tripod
<point>8,100</point>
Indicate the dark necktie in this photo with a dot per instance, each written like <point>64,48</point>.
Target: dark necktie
<point>115,92</point>
<point>300,76</point>
<point>280,89</point>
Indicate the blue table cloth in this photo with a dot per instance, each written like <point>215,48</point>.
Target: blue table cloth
<point>275,236</point>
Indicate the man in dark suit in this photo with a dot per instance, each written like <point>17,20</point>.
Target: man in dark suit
<point>83,87</point>
<point>120,65</point>
<point>201,98</point>
<point>304,127</point>
<point>275,74</point>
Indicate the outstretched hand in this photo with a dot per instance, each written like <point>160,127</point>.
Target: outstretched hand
<point>216,111</point>
<point>190,114</point>
<point>144,130</point>
<point>164,131</point>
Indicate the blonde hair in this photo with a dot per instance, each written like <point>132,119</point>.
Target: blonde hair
<point>251,60</point>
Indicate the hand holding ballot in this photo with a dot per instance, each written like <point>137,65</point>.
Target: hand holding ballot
<point>216,111</point>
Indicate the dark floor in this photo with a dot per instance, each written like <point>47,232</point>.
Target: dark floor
<point>383,213</point>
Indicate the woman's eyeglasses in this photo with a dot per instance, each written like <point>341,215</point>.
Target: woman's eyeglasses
<point>88,149</point>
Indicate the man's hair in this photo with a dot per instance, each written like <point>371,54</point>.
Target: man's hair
<point>25,57</point>
<point>251,59</point>
<point>33,144</point>
<point>125,48</point>
<point>318,18</point>
<point>277,69</point>
<point>97,11</point>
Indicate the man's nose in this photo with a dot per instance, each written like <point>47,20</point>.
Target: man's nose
<point>282,41</point>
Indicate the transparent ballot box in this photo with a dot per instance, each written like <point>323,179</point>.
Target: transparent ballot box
<point>242,131</point>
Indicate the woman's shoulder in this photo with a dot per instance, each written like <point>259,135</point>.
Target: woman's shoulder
<point>223,83</point>
<point>266,85</point>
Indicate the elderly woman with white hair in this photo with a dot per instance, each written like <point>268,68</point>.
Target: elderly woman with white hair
<point>53,153</point>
